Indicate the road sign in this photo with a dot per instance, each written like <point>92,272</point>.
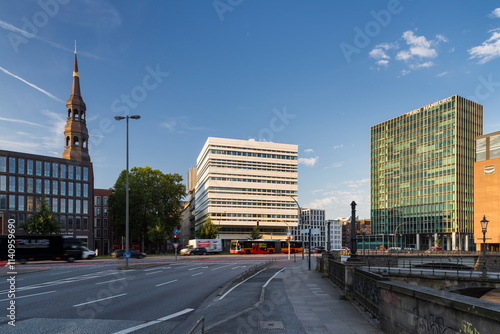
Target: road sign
<point>291,237</point>
<point>288,234</point>
<point>126,255</point>
<point>176,244</point>
<point>176,231</point>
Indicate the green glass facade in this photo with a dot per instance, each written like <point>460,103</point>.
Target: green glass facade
<point>422,170</point>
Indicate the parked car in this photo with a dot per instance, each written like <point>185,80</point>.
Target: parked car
<point>87,253</point>
<point>196,251</point>
<point>185,251</point>
<point>319,249</point>
<point>133,254</point>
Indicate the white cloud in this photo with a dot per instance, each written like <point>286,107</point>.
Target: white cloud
<point>338,146</point>
<point>442,74</point>
<point>422,65</point>
<point>383,62</point>
<point>309,150</point>
<point>338,202</point>
<point>180,125</point>
<point>495,13</point>
<point>357,183</point>
<point>308,161</point>
<point>18,121</point>
<point>335,165</point>
<point>489,50</point>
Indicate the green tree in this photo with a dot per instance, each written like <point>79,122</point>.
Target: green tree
<point>43,221</point>
<point>155,205</point>
<point>255,233</point>
<point>208,230</point>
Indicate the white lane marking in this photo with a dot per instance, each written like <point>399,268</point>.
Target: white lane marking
<point>166,282</point>
<point>36,294</point>
<point>150,269</point>
<point>98,300</point>
<point>238,267</point>
<point>113,280</point>
<point>64,272</point>
<point>197,274</point>
<point>234,287</point>
<point>269,280</point>
<point>198,268</point>
<point>221,267</point>
<point>154,272</point>
<point>147,324</point>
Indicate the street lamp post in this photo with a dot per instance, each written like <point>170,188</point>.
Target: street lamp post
<point>300,223</point>
<point>288,236</point>
<point>484,227</point>
<point>395,231</point>
<point>363,233</point>
<point>127,245</point>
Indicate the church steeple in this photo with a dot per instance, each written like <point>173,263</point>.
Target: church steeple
<point>75,132</point>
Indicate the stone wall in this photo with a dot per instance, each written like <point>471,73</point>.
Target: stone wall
<point>406,308</point>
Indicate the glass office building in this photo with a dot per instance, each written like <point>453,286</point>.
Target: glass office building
<point>422,172</point>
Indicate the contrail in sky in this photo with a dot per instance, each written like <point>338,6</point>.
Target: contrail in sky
<point>30,84</point>
<point>18,121</point>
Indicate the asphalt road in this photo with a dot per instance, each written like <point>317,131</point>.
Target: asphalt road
<point>94,297</point>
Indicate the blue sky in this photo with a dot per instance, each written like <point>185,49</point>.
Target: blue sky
<point>316,74</point>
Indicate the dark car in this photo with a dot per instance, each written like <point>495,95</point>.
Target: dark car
<point>319,249</point>
<point>197,251</point>
<point>133,254</point>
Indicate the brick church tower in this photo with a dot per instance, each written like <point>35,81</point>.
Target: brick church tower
<point>75,132</point>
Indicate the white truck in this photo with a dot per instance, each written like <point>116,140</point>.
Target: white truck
<point>212,245</point>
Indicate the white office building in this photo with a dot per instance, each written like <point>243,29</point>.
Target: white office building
<point>313,219</point>
<point>246,183</point>
<point>335,233</point>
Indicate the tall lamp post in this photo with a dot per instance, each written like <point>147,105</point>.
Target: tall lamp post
<point>484,227</point>
<point>300,223</point>
<point>395,233</point>
<point>127,246</point>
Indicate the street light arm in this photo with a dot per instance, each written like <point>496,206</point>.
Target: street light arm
<point>395,231</point>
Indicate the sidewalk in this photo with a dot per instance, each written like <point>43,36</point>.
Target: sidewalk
<point>317,302</point>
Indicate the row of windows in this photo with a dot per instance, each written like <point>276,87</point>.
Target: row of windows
<point>255,215</point>
<point>58,205</point>
<point>31,166</point>
<point>250,190</point>
<point>253,166</point>
<point>31,185</point>
<point>97,201</point>
<point>251,180</point>
<point>217,202</point>
<point>253,154</point>
<point>67,222</point>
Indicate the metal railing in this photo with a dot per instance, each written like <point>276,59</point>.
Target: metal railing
<point>202,322</point>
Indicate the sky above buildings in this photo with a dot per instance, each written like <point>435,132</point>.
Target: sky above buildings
<point>316,74</point>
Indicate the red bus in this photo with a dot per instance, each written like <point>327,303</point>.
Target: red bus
<point>295,247</point>
<point>261,246</point>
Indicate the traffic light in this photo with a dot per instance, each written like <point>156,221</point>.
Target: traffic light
<point>175,237</point>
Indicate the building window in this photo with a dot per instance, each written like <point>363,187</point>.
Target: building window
<point>98,200</point>
<point>85,223</point>
<point>63,222</point>
<point>78,190</point>
<point>105,222</point>
<point>30,203</point>
<point>21,220</point>
<point>105,233</point>
<point>38,168</point>
<point>3,202</point>
<point>85,206</point>
<point>70,222</point>
<point>63,188</point>
<point>78,223</point>
<point>46,168</point>
<point>12,165</point>
<point>20,184</point>
<point>3,183</point>
<point>3,164</point>
<point>46,188</point>
<point>54,205</point>
<point>63,171</point>
<point>105,201</point>
<point>38,186</point>
<point>85,173</point>
<point>70,172</point>
<point>70,206</point>
<point>98,212</point>
<point>20,203</point>
<point>85,190</point>
<point>54,187</point>
<point>20,166</point>
<point>30,185</point>
<point>12,202</point>
<point>77,205</point>
<point>97,233</point>
<point>78,173</point>
<point>55,170</point>
<point>12,183</point>
<point>97,222</point>
<point>70,188</point>
<point>29,166</point>
<point>63,205</point>
<point>105,212</point>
